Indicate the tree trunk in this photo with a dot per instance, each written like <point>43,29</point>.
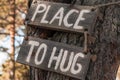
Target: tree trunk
<point>106,46</point>
<point>12,36</point>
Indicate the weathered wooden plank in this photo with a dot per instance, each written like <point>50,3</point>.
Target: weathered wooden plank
<point>53,56</point>
<point>58,16</point>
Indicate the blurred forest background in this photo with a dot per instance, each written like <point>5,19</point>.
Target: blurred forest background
<point>12,32</point>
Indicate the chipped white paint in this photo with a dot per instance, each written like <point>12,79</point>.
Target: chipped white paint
<point>60,16</point>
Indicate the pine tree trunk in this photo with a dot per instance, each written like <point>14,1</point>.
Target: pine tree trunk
<point>12,37</point>
<point>106,45</point>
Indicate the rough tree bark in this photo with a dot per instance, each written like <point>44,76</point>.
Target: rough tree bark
<point>106,45</point>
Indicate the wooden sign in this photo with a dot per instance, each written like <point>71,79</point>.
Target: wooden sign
<point>56,57</point>
<point>58,16</point>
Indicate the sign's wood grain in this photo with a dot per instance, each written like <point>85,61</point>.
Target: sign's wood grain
<point>56,57</point>
<point>58,16</point>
